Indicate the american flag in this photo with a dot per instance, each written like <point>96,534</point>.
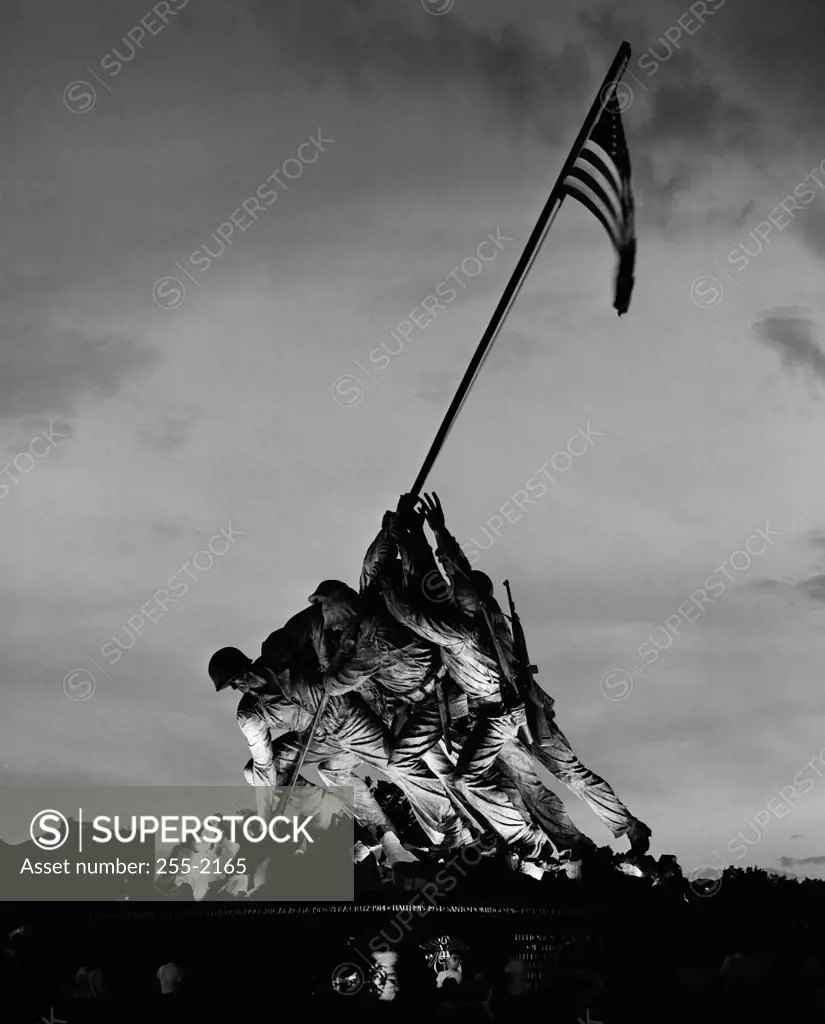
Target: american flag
<point>600,179</point>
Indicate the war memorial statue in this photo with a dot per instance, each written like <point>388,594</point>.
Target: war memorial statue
<point>420,677</point>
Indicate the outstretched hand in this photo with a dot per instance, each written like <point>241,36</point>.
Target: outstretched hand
<point>432,511</point>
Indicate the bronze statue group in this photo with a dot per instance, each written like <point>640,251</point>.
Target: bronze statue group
<point>421,676</point>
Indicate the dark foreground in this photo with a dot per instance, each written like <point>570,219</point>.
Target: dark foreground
<point>606,950</point>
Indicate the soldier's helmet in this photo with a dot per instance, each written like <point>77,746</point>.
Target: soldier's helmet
<point>483,584</point>
<point>328,588</point>
<point>470,589</point>
<point>226,665</point>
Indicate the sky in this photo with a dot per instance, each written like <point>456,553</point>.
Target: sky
<point>221,432</point>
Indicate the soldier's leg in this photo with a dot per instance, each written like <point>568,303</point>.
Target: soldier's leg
<point>558,758</point>
<point>481,785</point>
<point>418,736</point>
<point>518,766</point>
<point>417,741</point>
<point>339,770</point>
<point>492,801</point>
<point>363,733</point>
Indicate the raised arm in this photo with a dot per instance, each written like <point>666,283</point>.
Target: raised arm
<point>382,551</point>
<point>417,559</point>
<point>448,551</point>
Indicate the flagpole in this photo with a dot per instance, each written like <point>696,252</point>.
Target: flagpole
<point>531,250</point>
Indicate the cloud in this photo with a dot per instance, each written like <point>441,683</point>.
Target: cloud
<point>798,835</point>
<point>789,862</point>
<point>681,110</point>
<point>45,370</point>
<point>359,44</point>
<point>812,226</point>
<point>810,587</point>
<point>813,587</point>
<point>164,435</point>
<point>793,337</point>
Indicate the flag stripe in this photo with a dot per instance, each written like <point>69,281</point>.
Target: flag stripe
<point>588,198</point>
<point>594,154</point>
<point>589,175</point>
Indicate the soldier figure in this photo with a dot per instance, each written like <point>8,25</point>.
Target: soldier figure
<point>276,713</point>
<point>473,594</point>
<point>405,666</point>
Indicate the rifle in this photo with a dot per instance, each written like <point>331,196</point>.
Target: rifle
<point>510,691</point>
<point>527,672</point>
<point>511,697</point>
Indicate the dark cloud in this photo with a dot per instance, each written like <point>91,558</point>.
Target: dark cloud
<point>743,85</point>
<point>798,835</point>
<point>777,50</point>
<point>693,112</point>
<point>792,336</point>
<point>811,587</point>
<point>164,435</point>
<point>812,226</point>
<point>362,45</point>
<point>790,862</point>
<point>767,583</point>
<point>45,370</point>
<point>679,116</point>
